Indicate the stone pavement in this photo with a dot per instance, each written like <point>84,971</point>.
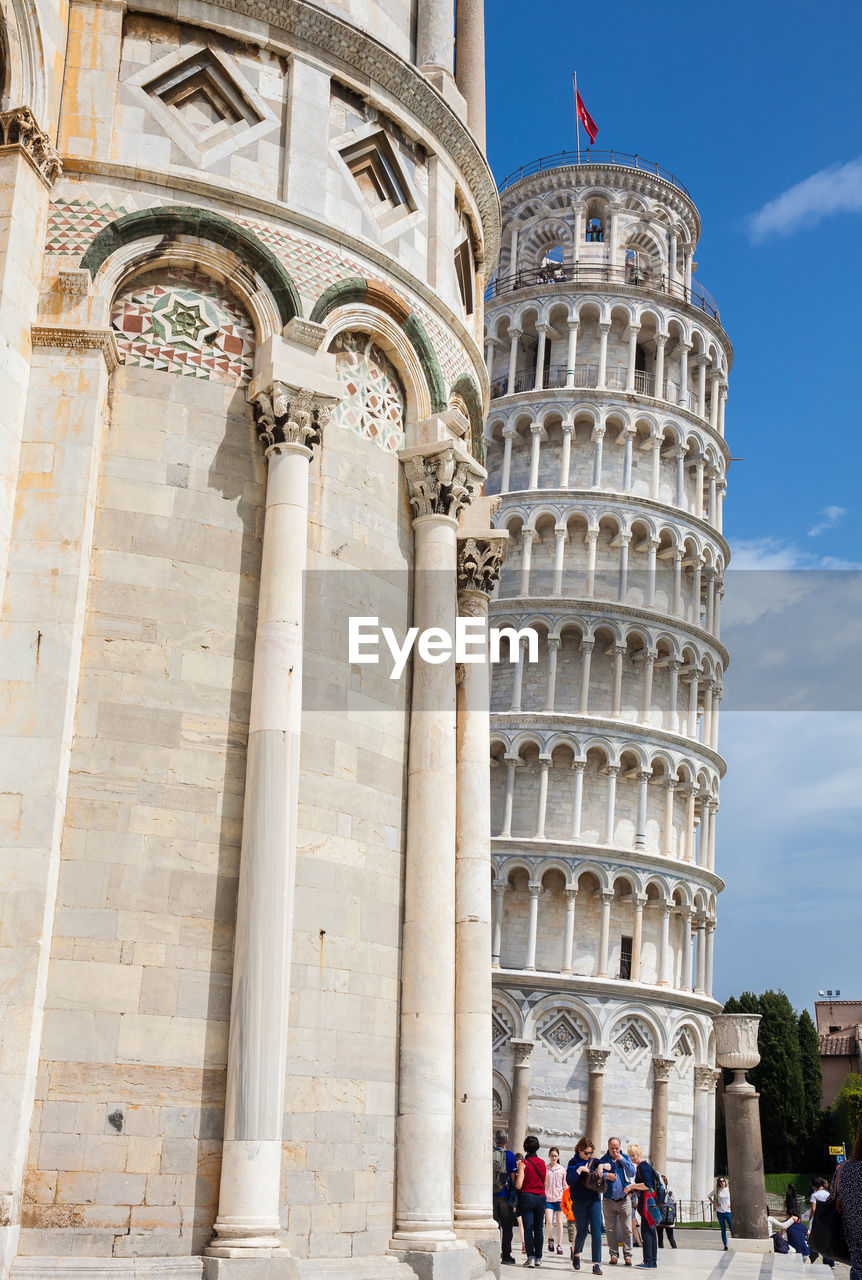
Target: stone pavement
<point>702,1264</point>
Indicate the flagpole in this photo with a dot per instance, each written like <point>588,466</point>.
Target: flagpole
<point>577,130</point>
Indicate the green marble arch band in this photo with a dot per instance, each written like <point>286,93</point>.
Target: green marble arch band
<point>375,293</point>
<point>200,223</point>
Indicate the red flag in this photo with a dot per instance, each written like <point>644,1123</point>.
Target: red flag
<point>586,119</point>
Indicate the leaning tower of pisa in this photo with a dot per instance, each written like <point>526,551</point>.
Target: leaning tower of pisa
<point>605,440</point>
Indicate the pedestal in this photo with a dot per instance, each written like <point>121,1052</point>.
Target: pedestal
<point>745,1163</point>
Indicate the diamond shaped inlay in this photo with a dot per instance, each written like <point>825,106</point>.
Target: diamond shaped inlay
<point>500,1028</point>
<point>631,1042</point>
<point>561,1034</point>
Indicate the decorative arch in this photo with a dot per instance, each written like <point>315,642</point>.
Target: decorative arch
<point>198,224</point>
<point>466,388</point>
<point>377,296</point>
<point>23,54</point>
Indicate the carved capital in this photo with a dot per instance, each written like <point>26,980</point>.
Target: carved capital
<point>597,1060</point>
<point>287,418</point>
<point>704,1077</point>
<point>441,480</point>
<point>18,128</point>
<point>479,563</point>
<point>522,1050</point>
<point>661,1069</point>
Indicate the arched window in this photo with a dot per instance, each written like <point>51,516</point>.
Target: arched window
<point>373,399</point>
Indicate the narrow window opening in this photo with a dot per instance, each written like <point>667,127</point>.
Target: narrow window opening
<point>625,958</point>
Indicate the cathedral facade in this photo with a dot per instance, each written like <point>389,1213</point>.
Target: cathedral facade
<point>605,442</point>
<point>244,255</point>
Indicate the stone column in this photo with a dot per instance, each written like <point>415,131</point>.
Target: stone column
<point>643,777</point>
<point>289,423</point>
<point>514,338</point>
<point>678,453</point>
<point>619,652</point>
<point>591,538</point>
<point>604,330</point>
<point>667,826</point>
<point>736,1048</point>
<point>701,1175</point>
<point>650,656</point>
<point>671,258</point>
<point>518,677</point>
<point>604,934</point>
<point>500,887</point>
<point>652,553</point>
<point>566,458</point>
<point>579,229</point>
<point>632,336</point>
<point>638,936</point>
<point>705,822</point>
<point>544,331</point>
<point>479,561</point>
<point>541,808</point>
<point>569,931</point>
<point>596,1059</point>
<point>700,980</point>
<point>527,536</point>
<point>442,478</point>
<point>666,906</point>
<point>553,649</point>
<point>509,434</point>
<point>673,667</point>
<point>655,478</point>
<point>578,767</point>
<point>561,536</point>
<point>537,431</point>
<point>622,584</point>
<point>532,925</point>
<point>684,349</point>
<point>435,35</point>
<point>520,1093</point>
<point>710,953</point>
<point>690,793</point>
<point>661,1069</point>
<point>628,446</point>
<point>571,354</point>
<point>586,659</point>
<point>512,763</point>
<point>610,814</point>
<point>470,64</point>
<point>677,583</point>
<point>660,343</point>
<point>685,982</point>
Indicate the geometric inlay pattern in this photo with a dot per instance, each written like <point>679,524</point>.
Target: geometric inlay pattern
<point>373,400</point>
<point>501,1029</point>
<point>561,1034</point>
<point>184,323</point>
<point>683,1051</point>
<point>632,1042</point>
<point>74,224</point>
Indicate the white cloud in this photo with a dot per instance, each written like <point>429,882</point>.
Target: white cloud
<point>829,517</point>
<point>837,189</point>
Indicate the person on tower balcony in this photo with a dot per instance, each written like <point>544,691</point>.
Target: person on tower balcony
<point>619,1171</point>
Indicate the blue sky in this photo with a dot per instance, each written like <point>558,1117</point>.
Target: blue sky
<point>756,108</point>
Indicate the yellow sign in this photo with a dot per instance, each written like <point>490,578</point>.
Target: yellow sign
<point>836,1151</point>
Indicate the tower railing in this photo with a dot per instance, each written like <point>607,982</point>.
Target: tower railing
<point>562,159</point>
<point>577,273</point>
<point>587,377</point>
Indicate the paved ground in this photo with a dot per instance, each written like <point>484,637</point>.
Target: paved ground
<point>699,1256</point>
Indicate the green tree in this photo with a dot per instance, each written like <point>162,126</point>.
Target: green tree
<point>812,1074</point>
<point>779,1082</point>
<point>847,1107</point>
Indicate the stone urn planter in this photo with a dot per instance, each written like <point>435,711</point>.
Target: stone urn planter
<point>736,1045</point>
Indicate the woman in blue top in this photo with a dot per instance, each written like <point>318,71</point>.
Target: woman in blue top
<point>642,1184</point>
<point>586,1204</point>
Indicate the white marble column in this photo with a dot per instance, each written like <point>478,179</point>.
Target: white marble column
<point>542,807</point>
<point>701,1174</point>
<point>628,436</point>
<point>678,607</point>
<point>710,956</point>
<point>685,981</point>
<point>649,660</point>
<point>591,538</point>
<point>643,777</point>
<point>569,931</point>
<point>684,349</point>
<point>514,338</point>
<point>586,660</point>
<point>690,792</point>
<point>470,63</point>
<point>598,439</point>
<point>700,980</point>
<point>622,584</point>
<point>604,934</point>
<point>566,456</point>
<point>537,431</point>
<point>561,537</point>
<point>512,763</point>
<point>610,815</point>
<point>654,442</point>
<point>442,478</point>
<point>527,539</point>
<point>661,1069</point>
<point>553,650</point>
<point>604,330</point>
<point>479,561</point>
<point>701,386</point>
<point>500,887</point>
<point>572,352</point>
<point>520,1093</point>
<point>632,335</point>
<point>596,1060</point>
<point>518,677</point>
<point>618,652</point>
<point>544,331</point>
<point>667,831</point>
<point>509,435</point>
<point>660,343</point>
<point>289,424</point>
<point>435,35</point>
<point>665,906</point>
<point>532,926</point>
<point>652,553</point>
<point>577,797</point>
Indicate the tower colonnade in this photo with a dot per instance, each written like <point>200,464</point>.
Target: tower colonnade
<point>605,441</point>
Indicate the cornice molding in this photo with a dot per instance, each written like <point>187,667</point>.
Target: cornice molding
<point>102,340</point>
<point>623,990</point>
